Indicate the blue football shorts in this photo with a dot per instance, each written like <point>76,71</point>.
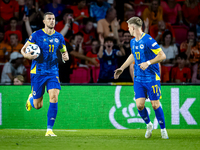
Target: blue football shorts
<point>38,83</point>
<point>151,90</point>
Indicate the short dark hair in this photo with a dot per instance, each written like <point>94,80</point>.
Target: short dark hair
<point>14,35</point>
<point>67,11</point>
<point>79,33</point>
<point>47,13</point>
<point>111,39</point>
<point>93,40</point>
<point>182,56</point>
<point>13,18</point>
<point>86,20</point>
<point>121,30</point>
<point>109,10</point>
<point>135,20</point>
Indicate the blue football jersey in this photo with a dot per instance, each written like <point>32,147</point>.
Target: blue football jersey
<point>143,50</point>
<point>47,62</point>
<point>108,64</point>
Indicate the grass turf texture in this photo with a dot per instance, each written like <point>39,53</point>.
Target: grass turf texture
<point>100,139</point>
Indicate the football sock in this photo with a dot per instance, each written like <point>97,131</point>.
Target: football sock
<point>31,101</point>
<point>51,115</point>
<point>160,117</point>
<point>144,114</point>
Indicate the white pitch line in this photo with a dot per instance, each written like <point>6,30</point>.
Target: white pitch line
<point>45,130</point>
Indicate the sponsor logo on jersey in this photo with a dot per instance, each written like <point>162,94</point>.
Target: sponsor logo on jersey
<point>136,47</point>
<point>141,46</point>
<point>154,44</point>
<point>51,40</point>
<point>133,47</point>
<point>56,40</point>
<point>150,38</point>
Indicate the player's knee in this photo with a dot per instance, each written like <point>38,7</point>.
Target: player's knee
<point>140,107</point>
<point>54,98</point>
<point>155,105</point>
<point>37,106</point>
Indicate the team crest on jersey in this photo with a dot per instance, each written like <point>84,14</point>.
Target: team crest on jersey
<point>56,40</point>
<point>51,40</point>
<point>141,46</point>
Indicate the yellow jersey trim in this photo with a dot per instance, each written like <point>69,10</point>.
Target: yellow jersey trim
<point>63,49</point>
<point>157,77</point>
<point>156,51</point>
<point>47,33</point>
<point>31,43</point>
<point>34,70</point>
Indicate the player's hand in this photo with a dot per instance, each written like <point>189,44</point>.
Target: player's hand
<point>65,56</point>
<point>118,72</point>
<point>29,56</point>
<point>144,65</point>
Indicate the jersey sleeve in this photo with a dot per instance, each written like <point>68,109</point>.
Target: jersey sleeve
<point>153,45</point>
<point>32,38</point>
<point>62,44</point>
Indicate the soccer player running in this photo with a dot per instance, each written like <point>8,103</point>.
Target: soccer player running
<point>44,69</point>
<point>146,53</point>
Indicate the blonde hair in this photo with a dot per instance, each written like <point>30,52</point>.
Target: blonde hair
<point>136,21</point>
<point>188,4</point>
<point>20,78</point>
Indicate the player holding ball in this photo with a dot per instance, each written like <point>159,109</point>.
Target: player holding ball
<point>44,69</point>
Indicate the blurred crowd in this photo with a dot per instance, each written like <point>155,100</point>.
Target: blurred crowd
<point>97,37</point>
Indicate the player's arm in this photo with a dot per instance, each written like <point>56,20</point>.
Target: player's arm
<point>160,55</point>
<point>127,63</point>
<point>27,55</point>
<point>65,55</point>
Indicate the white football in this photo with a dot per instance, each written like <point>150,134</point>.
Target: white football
<point>35,48</point>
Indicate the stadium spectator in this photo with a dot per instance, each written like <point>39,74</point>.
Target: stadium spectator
<point>125,76</point>
<point>89,33</point>
<point>80,11</point>
<point>191,11</point>
<point>67,27</point>
<point>171,51</point>
<point>169,48</point>
<point>18,80</point>
<point>108,26</point>
<point>98,9</point>
<point>121,35</point>
<point>172,12</point>
<point>198,28</point>
<point>138,5</point>
<point>9,9</point>
<point>154,12</point>
<point>14,43</point>
<point>4,47</point>
<point>181,73</point>
<point>157,31</point>
<point>56,7</point>
<point>35,18</point>
<point>76,43</point>
<point>196,73</point>
<point>93,52</point>
<point>13,30</point>
<point>12,68</point>
<point>191,47</point>
<point>127,15</point>
<point>108,59</point>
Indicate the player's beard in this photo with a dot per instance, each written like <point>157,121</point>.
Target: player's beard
<point>50,27</point>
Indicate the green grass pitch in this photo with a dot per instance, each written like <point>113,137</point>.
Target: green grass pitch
<point>99,139</point>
